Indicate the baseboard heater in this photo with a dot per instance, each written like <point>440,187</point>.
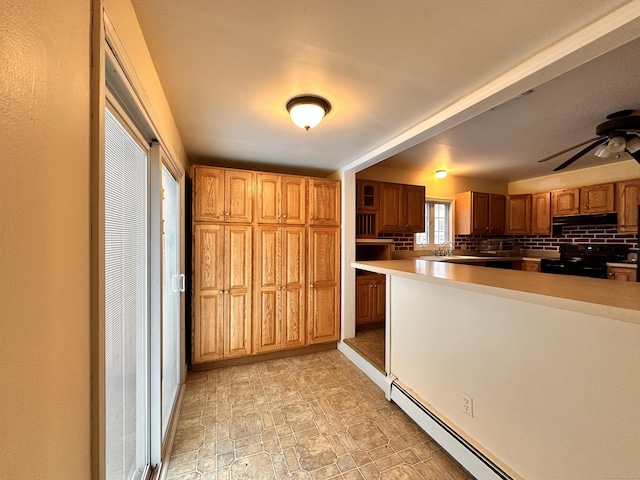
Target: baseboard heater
<point>466,454</point>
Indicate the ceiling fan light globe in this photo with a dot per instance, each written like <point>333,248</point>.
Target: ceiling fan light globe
<point>602,151</point>
<point>633,145</point>
<point>616,144</point>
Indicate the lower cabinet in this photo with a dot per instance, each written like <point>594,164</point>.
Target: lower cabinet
<point>370,298</point>
<point>529,266</point>
<point>280,288</point>
<point>625,274</point>
<point>222,292</point>
<point>324,285</point>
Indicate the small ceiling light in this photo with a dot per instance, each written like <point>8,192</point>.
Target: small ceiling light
<point>616,144</point>
<point>307,111</point>
<point>441,173</point>
<point>602,151</point>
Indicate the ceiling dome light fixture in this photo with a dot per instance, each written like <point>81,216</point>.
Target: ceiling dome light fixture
<point>441,173</point>
<point>616,144</point>
<point>307,111</point>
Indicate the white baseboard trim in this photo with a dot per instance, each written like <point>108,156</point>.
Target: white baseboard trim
<point>465,454</point>
<point>376,376</point>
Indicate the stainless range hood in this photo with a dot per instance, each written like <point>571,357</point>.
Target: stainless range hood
<point>584,220</point>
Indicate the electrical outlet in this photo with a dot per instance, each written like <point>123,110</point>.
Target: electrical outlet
<point>467,404</point>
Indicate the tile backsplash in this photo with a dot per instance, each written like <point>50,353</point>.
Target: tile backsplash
<point>570,234</point>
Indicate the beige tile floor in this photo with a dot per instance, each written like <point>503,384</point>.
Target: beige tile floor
<point>370,345</point>
<point>307,417</point>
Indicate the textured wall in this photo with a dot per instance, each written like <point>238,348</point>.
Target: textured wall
<point>44,239</point>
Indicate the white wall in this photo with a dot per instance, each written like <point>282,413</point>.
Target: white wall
<point>555,392</point>
<point>44,239</point>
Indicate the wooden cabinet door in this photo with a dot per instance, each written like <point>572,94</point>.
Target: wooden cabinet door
<point>208,289</point>
<point>268,194</point>
<point>497,213</point>
<point>294,287</point>
<point>518,214</point>
<point>208,194</point>
<point>414,199</point>
<point>623,274</point>
<point>597,198</point>
<point>367,195</point>
<point>237,327</point>
<point>267,305</point>
<point>364,299</point>
<point>379,298</point>
<point>294,204</point>
<point>627,201</point>
<point>565,202</point>
<point>324,284</point>
<point>531,266</point>
<point>391,214</point>
<point>324,202</point>
<point>541,213</point>
<point>479,213</point>
<point>239,196</point>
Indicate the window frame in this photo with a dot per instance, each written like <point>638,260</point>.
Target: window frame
<point>428,207</point>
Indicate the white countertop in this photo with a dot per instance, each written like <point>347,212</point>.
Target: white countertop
<point>601,297</point>
<point>622,264</point>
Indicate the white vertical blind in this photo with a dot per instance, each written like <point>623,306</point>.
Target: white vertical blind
<point>126,303</point>
<point>172,284</point>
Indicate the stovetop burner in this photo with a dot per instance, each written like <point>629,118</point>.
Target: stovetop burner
<point>587,260</point>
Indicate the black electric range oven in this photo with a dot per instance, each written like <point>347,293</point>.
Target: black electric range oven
<point>585,260</point>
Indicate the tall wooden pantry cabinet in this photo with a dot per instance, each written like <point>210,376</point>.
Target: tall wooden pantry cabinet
<point>266,262</point>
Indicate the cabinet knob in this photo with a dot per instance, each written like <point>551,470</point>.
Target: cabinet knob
<point>284,216</point>
<point>221,214</point>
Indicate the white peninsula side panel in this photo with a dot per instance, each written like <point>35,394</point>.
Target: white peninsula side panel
<point>555,392</point>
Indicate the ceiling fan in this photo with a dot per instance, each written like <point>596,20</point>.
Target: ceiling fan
<point>619,134</point>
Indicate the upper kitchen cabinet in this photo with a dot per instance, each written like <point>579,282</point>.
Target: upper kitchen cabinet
<point>597,198</point>
<point>401,208</point>
<point>367,198</point>
<point>222,195</point>
<point>541,213</point>
<point>480,213</point>
<point>627,201</point>
<point>565,202</point>
<point>281,199</point>
<point>324,202</point>
<point>518,214</point>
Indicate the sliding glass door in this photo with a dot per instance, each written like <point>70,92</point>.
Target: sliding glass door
<point>172,288</point>
<point>126,247</point>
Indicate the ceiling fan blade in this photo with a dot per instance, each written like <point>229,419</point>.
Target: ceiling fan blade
<point>546,159</point>
<point>581,153</point>
<point>635,155</point>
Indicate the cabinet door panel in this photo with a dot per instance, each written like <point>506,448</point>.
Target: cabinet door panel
<point>541,213</point>
<point>597,198</point>
<point>627,201</point>
<point>390,207</point>
<point>324,202</point>
<point>379,300</point>
<point>294,282</point>
<point>565,202</point>
<point>238,290</point>
<point>518,214</point>
<point>497,213</point>
<point>266,324</point>
<point>268,198</point>
<point>294,203</point>
<point>208,186</point>
<point>239,196</point>
<point>414,208</point>
<point>364,302</point>
<point>324,282</point>
<point>480,212</point>
<point>208,292</point>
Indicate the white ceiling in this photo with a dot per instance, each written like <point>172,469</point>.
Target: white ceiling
<point>228,68</point>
